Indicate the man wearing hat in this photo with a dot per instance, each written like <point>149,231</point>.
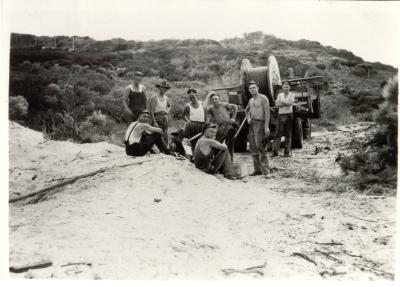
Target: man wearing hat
<point>176,146</point>
<point>194,116</point>
<point>140,137</point>
<point>134,99</point>
<point>159,107</point>
<point>210,155</point>
<point>258,115</point>
<point>224,115</point>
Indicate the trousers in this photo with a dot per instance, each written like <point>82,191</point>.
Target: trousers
<point>257,147</point>
<point>285,125</point>
<point>145,144</point>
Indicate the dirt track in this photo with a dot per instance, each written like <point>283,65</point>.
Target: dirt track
<point>164,219</point>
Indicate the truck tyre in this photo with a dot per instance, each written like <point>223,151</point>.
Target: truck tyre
<point>297,135</point>
<point>307,129</point>
<point>241,144</point>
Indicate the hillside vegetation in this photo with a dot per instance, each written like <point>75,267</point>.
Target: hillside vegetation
<point>71,87</point>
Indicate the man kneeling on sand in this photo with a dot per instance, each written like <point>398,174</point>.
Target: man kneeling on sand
<point>140,137</point>
<point>210,155</point>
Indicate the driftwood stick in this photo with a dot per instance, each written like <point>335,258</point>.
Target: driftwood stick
<point>359,218</point>
<point>329,243</point>
<point>304,257</point>
<point>327,255</point>
<point>71,180</point>
<point>33,265</point>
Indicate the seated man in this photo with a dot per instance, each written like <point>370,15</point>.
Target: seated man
<point>176,146</point>
<point>210,156</point>
<point>140,137</point>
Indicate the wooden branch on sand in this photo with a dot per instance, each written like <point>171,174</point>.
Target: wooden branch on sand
<point>71,180</point>
<point>304,257</point>
<point>254,269</point>
<point>359,218</point>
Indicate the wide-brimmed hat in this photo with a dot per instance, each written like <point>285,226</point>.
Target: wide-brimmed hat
<point>163,84</point>
<point>144,112</point>
<point>178,132</point>
<point>208,126</point>
<point>191,90</point>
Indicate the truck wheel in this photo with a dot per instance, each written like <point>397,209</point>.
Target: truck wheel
<point>307,129</point>
<point>241,144</point>
<point>297,135</point>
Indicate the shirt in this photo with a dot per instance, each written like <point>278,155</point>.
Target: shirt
<point>285,103</point>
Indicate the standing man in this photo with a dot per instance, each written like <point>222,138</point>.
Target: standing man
<point>134,99</point>
<point>159,107</point>
<point>284,102</point>
<point>194,116</point>
<point>210,155</point>
<point>140,137</point>
<point>224,115</point>
<point>258,115</point>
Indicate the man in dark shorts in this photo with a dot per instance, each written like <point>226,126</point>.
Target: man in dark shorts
<point>134,99</point>
<point>140,137</point>
<point>211,156</point>
<point>224,115</point>
<point>194,116</point>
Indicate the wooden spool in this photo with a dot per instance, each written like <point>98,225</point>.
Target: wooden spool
<point>267,78</point>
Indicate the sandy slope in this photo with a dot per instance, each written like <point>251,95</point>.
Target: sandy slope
<point>200,226</point>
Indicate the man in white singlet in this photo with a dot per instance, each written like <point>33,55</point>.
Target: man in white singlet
<point>140,137</point>
<point>159,107</point>
<point>194,116</point>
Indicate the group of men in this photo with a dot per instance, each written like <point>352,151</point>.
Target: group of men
<point>210,129</point>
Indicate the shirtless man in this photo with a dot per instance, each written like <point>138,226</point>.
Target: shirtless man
<point>140,137</point>
<point>210,156</point>
<point>258,115</point>
<point>134,99</point>
<point>224,115</point>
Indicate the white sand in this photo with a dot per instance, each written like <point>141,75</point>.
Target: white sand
<point>202,225</point>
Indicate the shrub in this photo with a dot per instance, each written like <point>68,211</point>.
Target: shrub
<point>375,159</point>
<point>63,127</point>
<point>97,127</point>
<point>18,107</point>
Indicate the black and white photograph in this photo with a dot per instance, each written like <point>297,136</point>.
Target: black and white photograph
<point>199,140</point>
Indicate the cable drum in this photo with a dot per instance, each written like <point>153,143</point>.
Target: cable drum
<point>267,78</point>
<point>245,66</point>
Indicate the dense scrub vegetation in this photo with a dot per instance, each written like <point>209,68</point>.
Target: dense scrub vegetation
<point>374,160</point>
<point>77,93</point>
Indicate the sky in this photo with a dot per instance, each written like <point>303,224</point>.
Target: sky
<point>369,29</point>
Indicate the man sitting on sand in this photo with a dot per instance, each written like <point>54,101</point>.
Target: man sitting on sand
<point>210,156</point>
<point>140,137</point>
<point>176,145</point>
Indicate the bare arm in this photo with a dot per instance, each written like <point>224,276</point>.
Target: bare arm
<point>217,145</point>
<point>278,101</point>
<point>234,110</point>
<point>152,106</point>
<point>289,101</point>
<point>266,113</point>
<point>168,105</point>
<point>149,128</point>
<point>208,115</point>
<point>186,113</point>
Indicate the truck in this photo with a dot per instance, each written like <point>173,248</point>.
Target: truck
<point>307,93</point>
